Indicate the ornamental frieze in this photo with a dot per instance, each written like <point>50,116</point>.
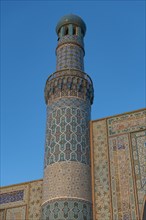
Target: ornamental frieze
<point>69,83</point>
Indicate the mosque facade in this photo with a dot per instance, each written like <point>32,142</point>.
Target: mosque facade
<point>93,170</point>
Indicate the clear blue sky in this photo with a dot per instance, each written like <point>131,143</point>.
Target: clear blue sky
<point>115,60</point>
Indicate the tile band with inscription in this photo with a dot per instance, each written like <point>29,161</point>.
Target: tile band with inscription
<point>11,197</point>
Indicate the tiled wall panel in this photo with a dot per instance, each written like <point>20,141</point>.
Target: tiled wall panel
<point>126,123</point>
<point>21,202</point>
<point>118,145</point>
<point>138,140</point>
<point>101,187</point>
<point>35,200</point>
<point>123,200</point>
<point>14,196</point>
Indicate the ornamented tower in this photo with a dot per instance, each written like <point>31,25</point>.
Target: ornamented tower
<point>68,95</point>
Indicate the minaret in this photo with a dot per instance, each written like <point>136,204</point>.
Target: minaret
<point>68,96</point>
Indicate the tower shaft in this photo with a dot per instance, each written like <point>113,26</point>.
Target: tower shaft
<point>68,95</point>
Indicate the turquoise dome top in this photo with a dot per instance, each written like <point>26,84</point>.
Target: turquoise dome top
<point>71,19</point>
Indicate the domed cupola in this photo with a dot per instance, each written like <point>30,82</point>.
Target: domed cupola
<point>71,25</point>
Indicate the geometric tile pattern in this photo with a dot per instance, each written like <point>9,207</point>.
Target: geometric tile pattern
<point>67,148</point>
<point>67,180</point>
<point>18,213</point>
<point>71,39</point>
<point>14,195</point>
<point>102,201</point>
<point>11,197</point>
<point>123,195</point>
<point>127,123</point>
<point>22,201</point>
<point>138,140</point>
<point>67,134</point>
<point>69,209</point>
<point>35,200</point>
<point>70,56</point>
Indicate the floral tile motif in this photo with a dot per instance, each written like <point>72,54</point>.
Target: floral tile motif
<point>122,186</point>
<point>35,200</point>
<point>127,123</point>
<point>101,171</point>
<point>138,140</point>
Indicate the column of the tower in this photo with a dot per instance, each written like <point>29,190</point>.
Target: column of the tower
<point>68,95</point>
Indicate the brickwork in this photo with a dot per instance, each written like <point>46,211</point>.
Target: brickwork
<point>67,179</point>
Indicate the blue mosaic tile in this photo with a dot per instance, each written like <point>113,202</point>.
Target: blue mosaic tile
<point>67,133</point>
<point>71,39</point>
<point>11,197</point>
<point>70,56</point>
<point>69,209</point>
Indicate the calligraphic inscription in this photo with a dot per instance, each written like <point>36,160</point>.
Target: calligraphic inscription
<point>11,196</point>
<point>127,123</point>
